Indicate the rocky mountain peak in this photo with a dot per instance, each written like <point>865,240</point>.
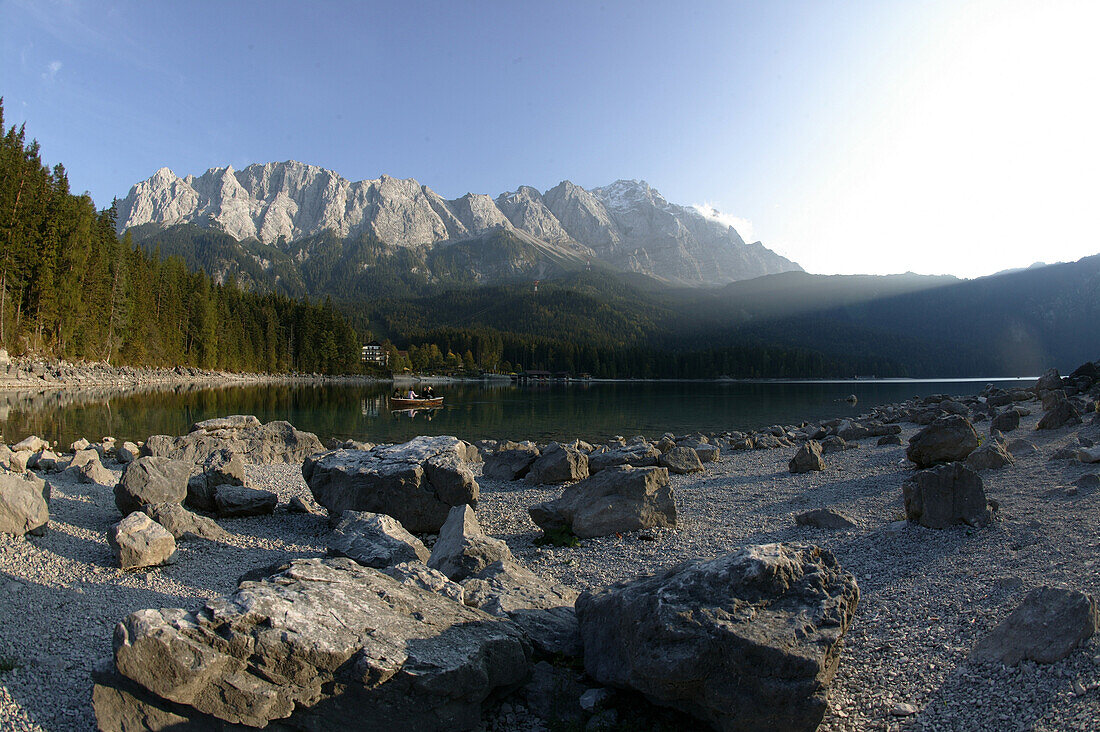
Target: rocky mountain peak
<point>628,224</point>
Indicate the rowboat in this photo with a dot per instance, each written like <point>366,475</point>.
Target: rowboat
<point>396,403</point>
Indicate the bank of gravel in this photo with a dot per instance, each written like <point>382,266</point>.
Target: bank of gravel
<point>927,595</point>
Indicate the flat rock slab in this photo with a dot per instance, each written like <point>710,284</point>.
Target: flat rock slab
<point>1045,627</point>
<point>417,482</point>
<point>274,442</point>
<point>746,641</point>
<point>323,644</point>
<point>825,518</point>
<point>375,540</point>
<point>234,501</point>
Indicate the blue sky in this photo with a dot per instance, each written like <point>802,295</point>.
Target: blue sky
<point>850,136</point>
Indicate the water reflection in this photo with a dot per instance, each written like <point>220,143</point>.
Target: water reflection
<point>590,410</point>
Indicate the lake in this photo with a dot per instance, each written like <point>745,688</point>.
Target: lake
<point>472,411</point>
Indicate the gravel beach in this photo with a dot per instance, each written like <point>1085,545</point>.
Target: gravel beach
<point>927,596</point>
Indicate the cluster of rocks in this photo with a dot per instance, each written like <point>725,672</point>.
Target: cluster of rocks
<point>23,372</point>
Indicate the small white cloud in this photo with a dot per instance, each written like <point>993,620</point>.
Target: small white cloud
<point>51,70</point>
<point>743,226</point>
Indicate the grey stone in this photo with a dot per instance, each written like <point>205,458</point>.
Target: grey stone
<point>182,524</point>
<point>417,483</point>
<point>825,518</point>
<point>1045,627</point>
<point>992,455</point>
<point>151,480</point>
<point>946,495</point>
<point>94,472</point>
<point>747,641</point>
<point>462,549</point>
<point>1006,421</point>
<point>418,574</point>
<point>834,444</point>
<point>511,461</point>
<point>808,458</point>
<point>681,460</point>
<point>1089,454</point>
<point>558,464</point>
<point>620,498</point>
<point>1049,380</point>
<point>375,540</point>
<point>24,504</point>
<point>324,644</point>
<point>297,505</point>
<point>139,541</point>
<point>33,443</point>
<point>274,442</point>
<point>544,610</point>
<point>1063,413</point>
<point>237,500</point>
<point>642,455</point>
<point>220,467</point>
<point>128,452</point>
<point>946,439</point>
<point>44,460</point>
<point>708,453</point>
<point>1021,448</point>
<point>886,440</point>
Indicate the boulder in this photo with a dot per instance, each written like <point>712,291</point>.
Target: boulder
<point>886,440</point>
<point>78,445</point>
<point>511,461</point>
<point>220,467</point>
<point>234,501</point>
<point>681,460</point>
<point>16,460</point>
<point>323,644</point>
<point>94,472</point>
<point>33,443</point>
<point>274,442</point>
<point>462,548</point>
<point>182,524</point>
<point>1020,448</point>
<point>620,498</point>
<point>825,518</point>
<point>544,610</point>
<point>746,641</point>
<point>297,505</point>
<point>946,495</point>
<point>708,453</point>
<point>417,483</point>
<point>139,541</point>
<point>946,439</point>
<point>992,455</point>
<point>418,574</point>
<point>128,452</point>
<point>834,444</point>
<point>1089,454</point>
<point>558,464</point>
<point>375,540</point>
<point>44,460</point>
<point>1061,414</point>
<point>1045,627</point>
<point>1049,380</point>
<point>151,480</point>
<point>1006,421</point>
<point>638,455</point>
<point>807,458</point>
<point>24,504</point>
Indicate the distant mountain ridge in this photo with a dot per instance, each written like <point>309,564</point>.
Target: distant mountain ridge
<point>626,225</point>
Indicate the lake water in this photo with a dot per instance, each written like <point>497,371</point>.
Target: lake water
<point>592,411</point>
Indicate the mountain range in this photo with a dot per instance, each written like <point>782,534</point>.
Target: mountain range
<point>625,226</point>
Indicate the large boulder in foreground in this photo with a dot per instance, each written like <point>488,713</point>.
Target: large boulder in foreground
<point>1062,413</point>
<point>417,482</point>
<point>1044,628</point>
<point>274,442</point>
<point>617,499</point>
<point>151,480</point>
<point>511,461</point>
<point>24,504</point>
<point>947,439</point>
<point>322,644</point>
<point>945,496</point>
<point>743,642</point>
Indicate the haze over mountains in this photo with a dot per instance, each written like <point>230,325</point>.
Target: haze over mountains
<point>627,225</point>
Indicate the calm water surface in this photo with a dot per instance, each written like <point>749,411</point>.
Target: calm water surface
<point>473,411</point>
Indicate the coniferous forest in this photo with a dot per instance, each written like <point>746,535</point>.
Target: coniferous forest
<point>71,288</point>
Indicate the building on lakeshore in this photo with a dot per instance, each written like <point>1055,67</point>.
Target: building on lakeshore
<point>374,353</point>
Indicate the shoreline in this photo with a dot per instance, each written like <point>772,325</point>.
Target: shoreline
<point>928,595</point>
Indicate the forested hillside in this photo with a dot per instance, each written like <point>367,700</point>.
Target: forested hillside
<point>71,288</point>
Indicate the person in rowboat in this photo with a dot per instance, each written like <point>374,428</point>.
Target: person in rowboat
<point>411,394</point>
